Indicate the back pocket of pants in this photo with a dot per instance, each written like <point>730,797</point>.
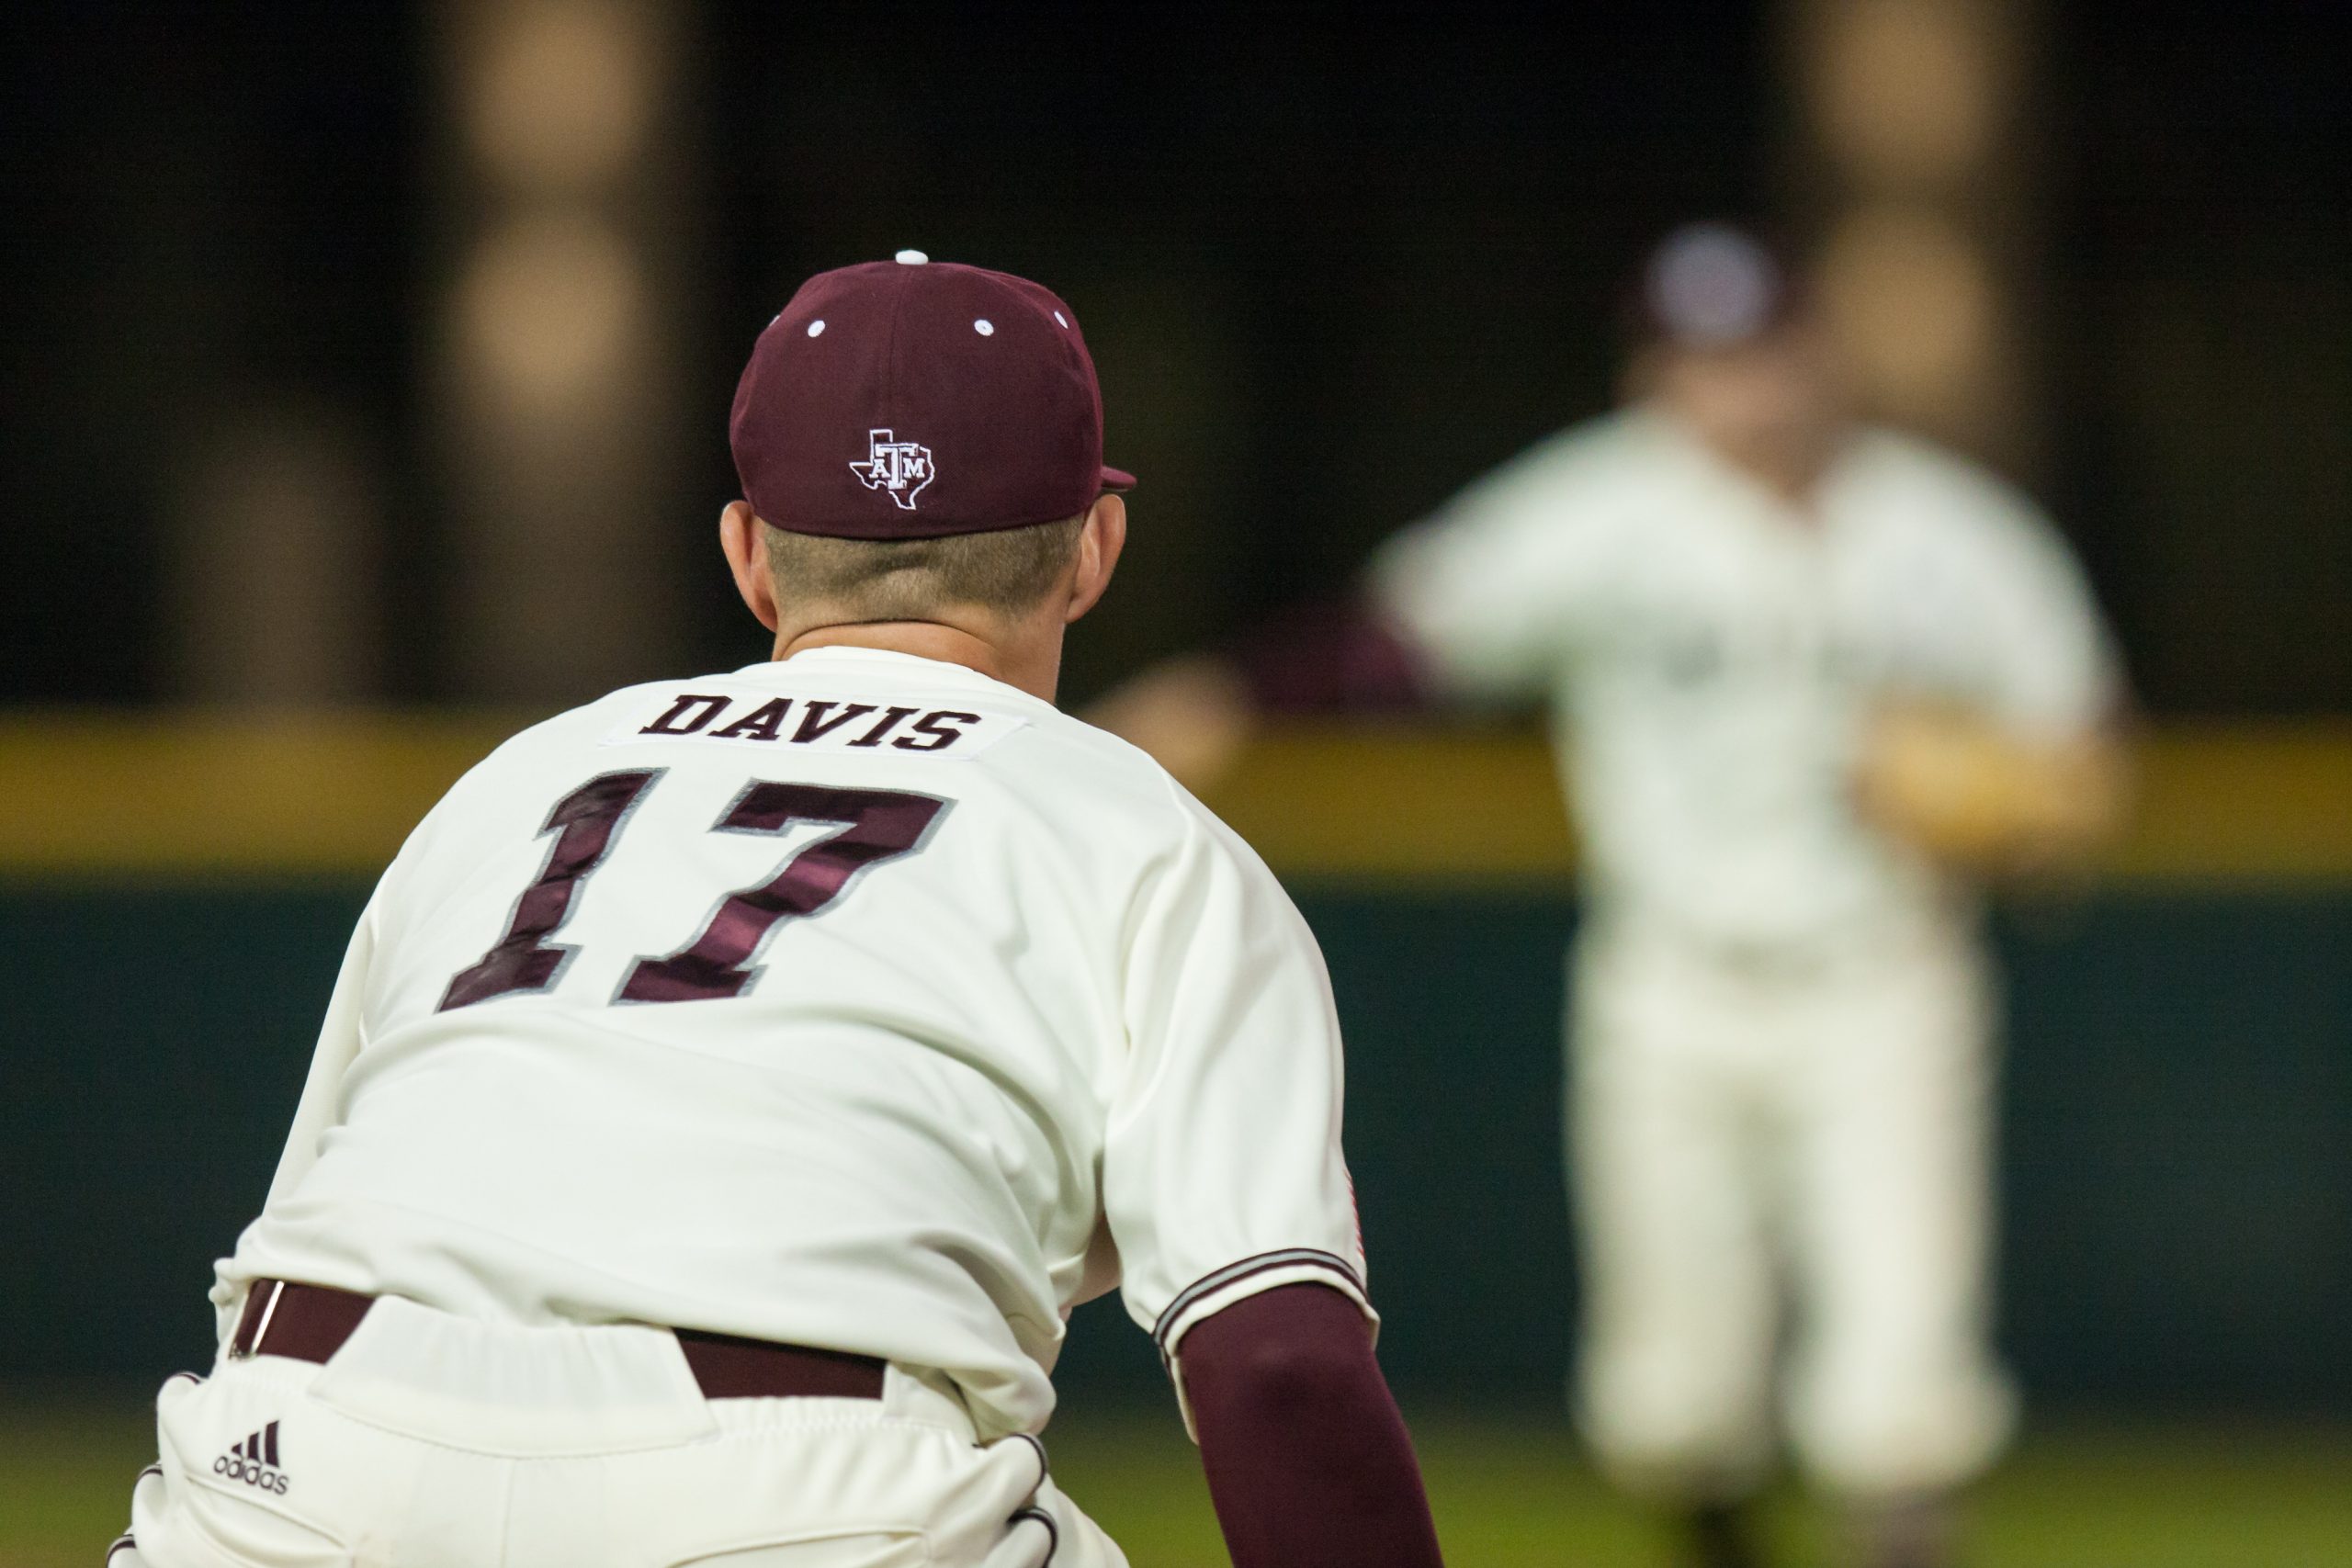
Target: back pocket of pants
<point>874,1550</point>
<point>249,1531</point>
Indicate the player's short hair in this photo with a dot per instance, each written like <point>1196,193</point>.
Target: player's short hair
<point>1006,570</point>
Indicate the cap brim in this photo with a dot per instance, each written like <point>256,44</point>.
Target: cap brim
<point>1118,478</point>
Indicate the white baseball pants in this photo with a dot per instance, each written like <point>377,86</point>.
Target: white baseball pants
<point>431,1440</point>
<point>1740,1138</point>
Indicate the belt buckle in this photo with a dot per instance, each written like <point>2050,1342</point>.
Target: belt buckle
<point>268,1311</point>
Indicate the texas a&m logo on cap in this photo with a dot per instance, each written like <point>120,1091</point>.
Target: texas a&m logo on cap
<point>934,363</point>
<point>900,468</point>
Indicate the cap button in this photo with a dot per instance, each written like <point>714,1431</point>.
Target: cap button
<point>913,258</point>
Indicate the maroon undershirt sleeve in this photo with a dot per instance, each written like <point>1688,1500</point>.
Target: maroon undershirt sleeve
<point>1308,1461</point>
<point>1341,655</point>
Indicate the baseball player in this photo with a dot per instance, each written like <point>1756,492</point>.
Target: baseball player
<point>734,1083</point>
<point>1806,676</point>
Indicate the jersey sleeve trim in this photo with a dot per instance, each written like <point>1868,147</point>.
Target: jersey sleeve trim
<point>1212,1294</point>
<point>1222,1288</point>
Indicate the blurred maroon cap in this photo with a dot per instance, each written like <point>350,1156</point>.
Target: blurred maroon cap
<point>1710,286</point>
<point>914,398</point>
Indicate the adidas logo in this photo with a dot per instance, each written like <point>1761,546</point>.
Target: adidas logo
<point>255,1462</point>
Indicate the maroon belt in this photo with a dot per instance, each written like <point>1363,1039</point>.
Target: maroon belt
<point>310,1322</point>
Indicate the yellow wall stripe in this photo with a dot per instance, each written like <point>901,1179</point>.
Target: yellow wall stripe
<point>204,794</point>
<point>196,794</point>
<point>2214,801</point>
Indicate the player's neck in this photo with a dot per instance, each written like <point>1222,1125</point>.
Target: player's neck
<point>1035,670</point>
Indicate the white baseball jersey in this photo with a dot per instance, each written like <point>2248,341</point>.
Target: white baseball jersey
<point>857,1001</point>
<point>1711,656</point>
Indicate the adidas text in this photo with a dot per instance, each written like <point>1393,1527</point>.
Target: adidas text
<point>255,1462</point>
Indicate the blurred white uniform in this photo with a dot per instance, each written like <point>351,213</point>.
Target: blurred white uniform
<point>857,1001</point>
<point>1780,1019</point>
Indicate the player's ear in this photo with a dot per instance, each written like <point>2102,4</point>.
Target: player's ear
<point>1639,381</point>
<point>1100,539</point>
<point>746,548</point>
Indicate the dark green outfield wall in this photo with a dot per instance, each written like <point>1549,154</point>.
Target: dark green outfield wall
<point>2179,1166</point>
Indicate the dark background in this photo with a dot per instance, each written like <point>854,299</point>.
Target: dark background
<point>1360,253</point>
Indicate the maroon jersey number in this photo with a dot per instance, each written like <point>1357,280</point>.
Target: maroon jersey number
<point>585,823</point>
<point>875,826</point>
<point>871,826</point>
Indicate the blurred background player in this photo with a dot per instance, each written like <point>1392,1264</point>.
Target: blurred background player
<point>1811,680</point>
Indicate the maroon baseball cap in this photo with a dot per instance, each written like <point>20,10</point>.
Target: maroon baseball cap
<point>1711,285</point>
<point>914,398</point>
